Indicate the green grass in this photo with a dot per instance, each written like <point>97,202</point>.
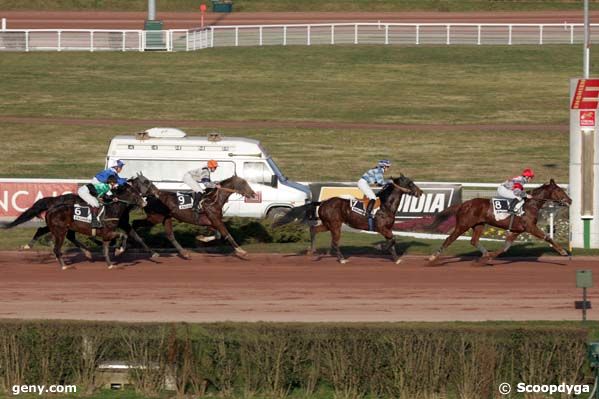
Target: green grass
<point>301,5</point>
<point>423,85</point>
<point>54,151</point>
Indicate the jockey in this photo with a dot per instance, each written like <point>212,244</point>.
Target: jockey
<point>91,193</point>
<point>114,168</point>
<point>514,188</point>
<point>373,176</point>
<point>199,180</point>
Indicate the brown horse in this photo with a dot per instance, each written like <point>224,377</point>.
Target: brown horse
<point>335,212</point>
<point>164,206</point>
<point>476,213</point>
<point>60,219</point>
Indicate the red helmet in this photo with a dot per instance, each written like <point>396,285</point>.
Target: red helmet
<point>212,164</point>
<point>528,173</point>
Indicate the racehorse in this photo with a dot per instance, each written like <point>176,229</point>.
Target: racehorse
<point>140,182</point>
<point>476,213</point>
<point>164,206</point>
<point>336,211</point>
<point>60,219</point>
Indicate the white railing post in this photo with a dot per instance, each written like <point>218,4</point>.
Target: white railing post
<point>142,40</point>
<point>212,30</point>
<point>27,40</point>
<point>3,23</point>
<point>541,34</point>
<point>285,35</point>
<point>332,33</point>
<point>124,42</point>
<point>571,33</point>
<point>387,34</point>
<point>309,33</point>
<point>356,34</point>
<point>417,34</point>
<point>91,41</point>
<point>260,36</point>
<point>59,40</point>
<point>478,35</point>
<point>236,36</point>
<point>169,40</point>
<point>509,39</point>
<point>448,42</point>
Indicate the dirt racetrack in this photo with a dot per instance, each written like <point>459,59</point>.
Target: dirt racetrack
<point>289,288</point>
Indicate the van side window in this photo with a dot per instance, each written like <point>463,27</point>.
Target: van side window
<point>173,170</point>
<point>257,172</point>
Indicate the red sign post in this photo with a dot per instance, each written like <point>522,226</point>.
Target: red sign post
<point>203,11</point>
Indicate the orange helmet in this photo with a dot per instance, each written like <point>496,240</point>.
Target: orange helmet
<point>212,164</point>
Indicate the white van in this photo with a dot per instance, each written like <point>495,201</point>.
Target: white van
<point>165,154</point>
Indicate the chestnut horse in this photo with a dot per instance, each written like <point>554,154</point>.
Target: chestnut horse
<point>335,212</point>
<point>476,213</point>
<point>164,206</point>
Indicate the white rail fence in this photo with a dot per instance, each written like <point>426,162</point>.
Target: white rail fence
<point>296,34</point>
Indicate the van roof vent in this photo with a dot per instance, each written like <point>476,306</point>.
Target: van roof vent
<point>161,133</point>
<point>214,136</point>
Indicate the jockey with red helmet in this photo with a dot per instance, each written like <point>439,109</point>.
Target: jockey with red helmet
<point>514,188</point>
<point>199,180</point>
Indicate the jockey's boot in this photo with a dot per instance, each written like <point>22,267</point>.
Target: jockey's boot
<point>95,222</point>
<point>196,201</point>
<point>513,203</point>
<point>369,208</point>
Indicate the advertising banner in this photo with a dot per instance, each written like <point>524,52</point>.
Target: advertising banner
<point>16,197</point>
<point>436,198</point>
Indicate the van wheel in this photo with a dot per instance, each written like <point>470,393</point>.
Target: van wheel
<point>276,213</point>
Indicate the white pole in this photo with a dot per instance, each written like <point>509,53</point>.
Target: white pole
<point>587,40</point>
<point>3,23</point>
<point>551,221</point>
<point>151,10</point>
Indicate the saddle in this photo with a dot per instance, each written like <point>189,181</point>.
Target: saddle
<point>501,208</point>
<point>359,205</point>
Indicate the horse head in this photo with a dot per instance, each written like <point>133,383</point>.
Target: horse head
<point>130,195</point>
<point>407,184</point>
<point>552,192</point>
<point>143,185</point>
<point>239,186</point>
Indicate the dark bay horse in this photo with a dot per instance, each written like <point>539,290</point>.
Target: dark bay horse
<point>140,182</point>
<point>164,206</point>
<point>60,219</point>
<point>476,213</point>
<point>334,212</point>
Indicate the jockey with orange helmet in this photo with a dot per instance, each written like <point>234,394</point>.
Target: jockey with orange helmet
<point>514,188</point>
<point>199,180</point>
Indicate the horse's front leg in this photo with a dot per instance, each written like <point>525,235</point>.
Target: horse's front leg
<point>119,251</point>
<point>106,248</point>
<point>222,229</point>
<point>535,231</point>
<point>390,246</point>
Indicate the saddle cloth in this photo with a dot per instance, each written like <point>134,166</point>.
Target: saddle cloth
<point>184,200</point>
<point>359,205</point>
<point>82,213</point>
<point>501,206</point>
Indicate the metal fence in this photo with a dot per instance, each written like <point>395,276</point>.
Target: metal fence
<point>296,34</point>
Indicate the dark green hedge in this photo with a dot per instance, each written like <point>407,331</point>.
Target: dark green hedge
<point>377,360</point>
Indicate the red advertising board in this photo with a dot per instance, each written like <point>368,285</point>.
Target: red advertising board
<point>16,197</point>
<point>587,118</point>
<point>586,95</point>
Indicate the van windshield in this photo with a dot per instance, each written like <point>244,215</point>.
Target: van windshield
<point>276,169</point>
<point>162,170</point>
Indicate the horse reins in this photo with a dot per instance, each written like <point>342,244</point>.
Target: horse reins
<point>400,188</point>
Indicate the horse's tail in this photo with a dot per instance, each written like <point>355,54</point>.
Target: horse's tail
<point>299,214</point>
<point>41,205</point>
<point>444,221</point>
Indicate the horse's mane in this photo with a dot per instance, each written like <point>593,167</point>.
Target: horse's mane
<point>385,192</point>
<point>234,182</point>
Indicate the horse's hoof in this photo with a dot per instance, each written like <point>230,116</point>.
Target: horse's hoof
<point>379,247</point>
<point>343,261</point>
<point>155,255</point>
<point>26,246</point>
<point>398,261</point>
<point>433,258</point>
<point>241,253</point>
<point>186,255</point>
<point>206,239</point>
<point>114,266</point>
<point>67,267</point>
<point>88,255</point>
<point>563,252</point>
<point>119,251</point>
